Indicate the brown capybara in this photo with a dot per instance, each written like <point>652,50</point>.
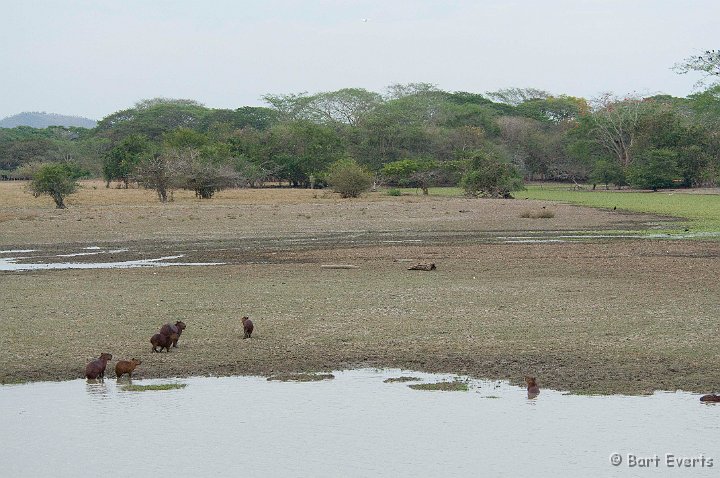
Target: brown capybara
<point>710,398</point>
<point>532,386</point>
<point>126,367</point>
<point>96,368</point>
<point>168,329</point>
<point>163,341</point>
<point>247,327</point>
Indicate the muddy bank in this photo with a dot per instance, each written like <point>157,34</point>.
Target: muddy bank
<point>612,317</point>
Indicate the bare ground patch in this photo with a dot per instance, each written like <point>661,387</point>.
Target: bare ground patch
<point>630,316</point>
<point>627,316</point>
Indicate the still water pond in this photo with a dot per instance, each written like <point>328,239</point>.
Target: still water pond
<point>354,425</point>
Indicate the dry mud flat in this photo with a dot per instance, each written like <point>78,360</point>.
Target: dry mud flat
<point>627,316</point>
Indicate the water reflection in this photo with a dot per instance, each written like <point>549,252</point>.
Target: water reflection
<point>354,425</point>
<point>96,388</point>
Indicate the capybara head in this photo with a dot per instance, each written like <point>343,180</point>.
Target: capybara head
<point>135,361</point>
<point>245,318</point>
<point>531,381</point>
<point>180,325</point>
<point>105,356</point>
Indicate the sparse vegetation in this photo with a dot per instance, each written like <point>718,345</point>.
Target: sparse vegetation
<point>401,379</point>
<point>152,388</point>
<point>538,214</point>
<point>301,377</point>
<point>452,386</point>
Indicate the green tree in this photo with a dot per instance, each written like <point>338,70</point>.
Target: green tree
<point>120,162</point>
<point>349,179</point>
<point>153,118</point>
<point>490,174</point>
<point>607,171</point>
<point>302,149</point>
<point>412,172</point>
<point>57,180</point>
<point>654,169</point>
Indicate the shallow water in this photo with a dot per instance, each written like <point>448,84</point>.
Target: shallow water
<point>43,262</point>
<point>354,425</point>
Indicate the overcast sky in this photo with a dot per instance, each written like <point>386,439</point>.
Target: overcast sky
<point>93,57</point>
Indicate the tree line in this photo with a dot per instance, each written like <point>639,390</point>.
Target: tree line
<point>413,135</point>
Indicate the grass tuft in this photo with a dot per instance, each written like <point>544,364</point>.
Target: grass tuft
<point>152,388</point>
<point>301,377</point>
<point>541,214</point>
<point>401,379</point>
<point>454,386</point>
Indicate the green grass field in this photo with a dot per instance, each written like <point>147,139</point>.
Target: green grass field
<point>701,212</point>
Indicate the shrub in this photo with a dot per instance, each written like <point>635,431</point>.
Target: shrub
<point>654,169</point>
<point>349,179</point>
<point>56,180</point>
<point>394,192</point>
<point>491,175</point>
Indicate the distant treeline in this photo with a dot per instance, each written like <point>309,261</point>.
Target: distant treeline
<point>413,134</point>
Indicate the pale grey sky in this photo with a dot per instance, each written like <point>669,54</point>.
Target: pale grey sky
<point>94,57</point>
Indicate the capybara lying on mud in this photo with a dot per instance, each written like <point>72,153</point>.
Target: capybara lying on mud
<point>163,341</point>
<point>126,367</point>
<point>169,329</point>
<point>532,386</point>
<point>247,327</point>
<point>96,368</point>
<point>710,398</point>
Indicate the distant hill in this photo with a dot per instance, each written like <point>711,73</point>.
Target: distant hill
<point>43,120</point>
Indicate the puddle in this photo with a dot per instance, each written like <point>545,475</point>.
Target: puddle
<point>11,264</point>
<point>354,425</point>
<point>544,237</point>
<point>39,262</point>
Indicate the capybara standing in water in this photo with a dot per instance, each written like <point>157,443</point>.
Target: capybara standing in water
<point>169,329</point>
<point>532,387</point>
<point>247,327</point>
<point>126,367</point>
<point>96,368</point>
<point>163,341</point>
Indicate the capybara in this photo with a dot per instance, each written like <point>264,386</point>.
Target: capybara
<point>163,341</point>
<point>532,386</point>
<point>126,367</point>
<point>168,329</point>
<point>96,368</point>
<point>247,327</point>
<point>710,398</point>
